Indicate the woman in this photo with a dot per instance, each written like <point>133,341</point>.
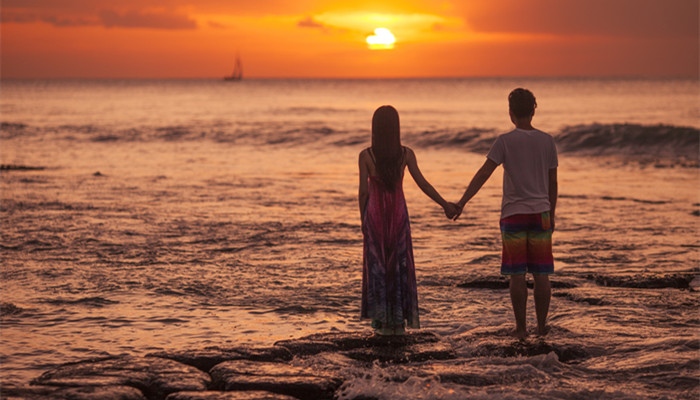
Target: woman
<point>389,295</point>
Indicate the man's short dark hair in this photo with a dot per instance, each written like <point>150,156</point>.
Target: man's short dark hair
<point>522,102</point>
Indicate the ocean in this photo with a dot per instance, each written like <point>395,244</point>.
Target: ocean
<point>148,215</point>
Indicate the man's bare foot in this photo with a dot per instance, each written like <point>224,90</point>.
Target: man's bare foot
<point>518,334</point>
<point>543,331</point>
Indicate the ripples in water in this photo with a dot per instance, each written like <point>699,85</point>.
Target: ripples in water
<point>167,253</point>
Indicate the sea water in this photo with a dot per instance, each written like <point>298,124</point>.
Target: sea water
<point>170,214</point>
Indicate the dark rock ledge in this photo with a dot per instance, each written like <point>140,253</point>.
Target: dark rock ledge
<point>639,281</point>
<point>312,367</point>
<point>12,167</point>
<point>642,281</point>
<point>501,282</point>
<point>230,373</point>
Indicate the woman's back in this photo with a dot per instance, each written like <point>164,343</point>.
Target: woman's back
<point>389,295</point>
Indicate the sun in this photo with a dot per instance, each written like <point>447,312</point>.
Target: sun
<point>382,39</point>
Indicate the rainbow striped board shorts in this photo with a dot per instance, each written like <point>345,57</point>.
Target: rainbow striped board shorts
<point>527,244</point>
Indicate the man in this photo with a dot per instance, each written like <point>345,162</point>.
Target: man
<point>529,158</point>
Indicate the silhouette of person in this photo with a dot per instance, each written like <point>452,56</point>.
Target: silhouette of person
<point>389,294</point>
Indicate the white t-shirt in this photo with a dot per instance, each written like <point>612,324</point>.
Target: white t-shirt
<point>527,157</point>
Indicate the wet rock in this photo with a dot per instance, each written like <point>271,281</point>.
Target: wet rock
<point>323,342</point>
<point>566,352</point>
<point>307,347</point>
<point>154,377</point>
<point>330,363</point>
<point>694,283</point>
<point>486,259</point>
<point>321,363</point>
<point>303,383</point>
<point>12,125</point>
<point>561,284</point>
<point>476,375</point>
<point>594,301</point>
<point>208,357</point>
<point>213,395</point>
<point>485,282</point>
<point>9,309</point>
<point>341,341</point>
<point>680,281</point>
<point>12,167</point>
<point>367,347</point>
<point>501,282</point>
<point>404,353</point>
<point>363,397</point>
<point>72,393</point>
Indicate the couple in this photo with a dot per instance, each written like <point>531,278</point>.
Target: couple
<point>529,158</point>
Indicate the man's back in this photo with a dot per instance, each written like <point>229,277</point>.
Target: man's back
<point>527,156</point>
<point>530,188</point>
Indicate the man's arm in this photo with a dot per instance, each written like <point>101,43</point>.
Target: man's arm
<point>553,193</point>
<point>481,176</point>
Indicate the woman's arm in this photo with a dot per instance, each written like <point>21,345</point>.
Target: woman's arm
<point>481,176</point>
<point>363,192</point>
<point>423,183</point>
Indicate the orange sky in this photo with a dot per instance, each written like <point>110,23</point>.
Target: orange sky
<point>310,38</point>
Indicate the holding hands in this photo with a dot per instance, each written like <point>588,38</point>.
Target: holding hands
<point>452,211</point>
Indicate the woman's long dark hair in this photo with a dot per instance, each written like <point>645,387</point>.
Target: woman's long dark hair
<point>386,145</point>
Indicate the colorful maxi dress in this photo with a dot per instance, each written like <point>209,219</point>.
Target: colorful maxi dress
<point>389,294</point>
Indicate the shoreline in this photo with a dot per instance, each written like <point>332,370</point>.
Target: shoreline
<point>354,365</point>
<point>320,366</point>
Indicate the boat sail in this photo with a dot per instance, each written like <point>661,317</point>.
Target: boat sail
<point>237,74</point>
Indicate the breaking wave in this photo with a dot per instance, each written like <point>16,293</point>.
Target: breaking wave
<point>645,141</point>
<point>631,139</point>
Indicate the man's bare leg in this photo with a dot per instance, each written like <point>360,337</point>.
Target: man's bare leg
<point>518,296</point>
<point>543,294</point>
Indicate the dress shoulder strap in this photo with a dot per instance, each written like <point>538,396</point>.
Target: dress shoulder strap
<point>371,154</point>
<point>403,154</point>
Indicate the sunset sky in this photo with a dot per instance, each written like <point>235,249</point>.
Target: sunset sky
<point>310,38</point>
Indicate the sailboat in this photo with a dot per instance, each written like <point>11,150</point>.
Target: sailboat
<point>237,74</point>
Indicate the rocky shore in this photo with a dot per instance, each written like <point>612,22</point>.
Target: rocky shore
<point>333,365</point>
<point>308,368</point>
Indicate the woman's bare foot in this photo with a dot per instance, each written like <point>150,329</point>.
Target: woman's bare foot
<point>543,331</point>
<point>384,331</point>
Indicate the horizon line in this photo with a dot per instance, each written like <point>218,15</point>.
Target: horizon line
<point>563,76</point>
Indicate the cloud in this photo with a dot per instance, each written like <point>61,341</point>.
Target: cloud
<point>28,18</point>
<point>239,8</point>
<point>216,25</point>
<point>106,18</point>
<point>141,19</point>
<point>309,22</point>
<point>19,18</point>
<point>61,22</point>
<point>621,18</point>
